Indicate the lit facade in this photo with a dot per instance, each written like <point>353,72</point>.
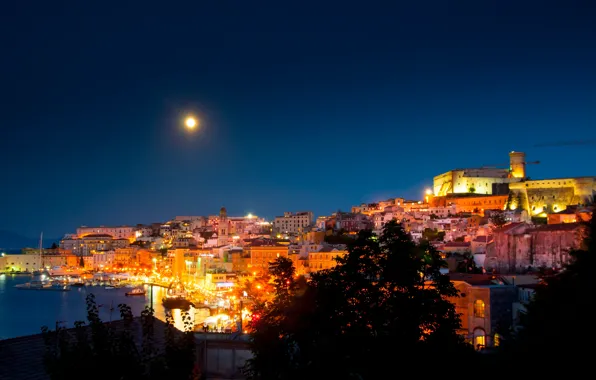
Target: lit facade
<point>484,180</point>
<point>324,258</point>
<point>484,306</point>
<point>119,232</point>
<point>478,204</point>
<point>20,263</point>
<point>264,251</point>
<point>293,223</point>
<point>537,197</point>
<point>546,196</point>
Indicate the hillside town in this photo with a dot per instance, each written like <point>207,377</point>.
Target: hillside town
<point>495,228</point>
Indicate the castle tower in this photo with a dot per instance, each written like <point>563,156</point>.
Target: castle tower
<point>222,234</point>
<point>517,164</point>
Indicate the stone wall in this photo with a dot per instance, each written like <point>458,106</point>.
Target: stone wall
<point>521,246</point>
<point>460,181</point>
<point>544,200</point>
<point>551,195</point>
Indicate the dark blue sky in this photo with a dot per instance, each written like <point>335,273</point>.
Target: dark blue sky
<point>304,105</point>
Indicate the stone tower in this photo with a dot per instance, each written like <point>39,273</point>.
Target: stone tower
<point>517,164</point>
<point>222,234</point>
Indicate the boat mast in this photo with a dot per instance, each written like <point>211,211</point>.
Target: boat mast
<point>41,251</point>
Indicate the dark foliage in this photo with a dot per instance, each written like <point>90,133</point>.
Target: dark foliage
<point>97,350</point>
<point>466,263</point>
<point>498,219</point>
<point>339,239</point>
<point>431,234</point>
<point>382,309</point>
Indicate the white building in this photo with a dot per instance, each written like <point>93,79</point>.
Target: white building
<point>119,232</point>
<point>102,259</point>
<point>20,263</point>
<point>293,223</point>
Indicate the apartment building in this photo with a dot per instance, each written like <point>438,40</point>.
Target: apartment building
<point>293,223</point>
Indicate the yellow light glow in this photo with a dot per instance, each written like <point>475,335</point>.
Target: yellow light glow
<point>429,191</point>
<point>190,122</point>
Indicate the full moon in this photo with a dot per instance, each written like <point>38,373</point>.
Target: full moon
<point>190,122</point>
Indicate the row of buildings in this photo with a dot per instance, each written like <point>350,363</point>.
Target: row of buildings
<point>508,224</point>
<point>539,223</point>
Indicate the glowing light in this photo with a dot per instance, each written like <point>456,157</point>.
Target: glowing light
<point>429,191</point>
<point>249,216</point>
<point>190,122</point>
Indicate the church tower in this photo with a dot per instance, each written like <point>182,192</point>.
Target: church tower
<point>222,234</point>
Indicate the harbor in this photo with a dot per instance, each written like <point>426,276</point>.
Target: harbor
<point>61,297</point>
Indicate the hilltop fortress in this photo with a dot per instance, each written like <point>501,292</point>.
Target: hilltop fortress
<point>491,188</point>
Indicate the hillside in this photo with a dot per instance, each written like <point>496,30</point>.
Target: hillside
<point>10,240</point>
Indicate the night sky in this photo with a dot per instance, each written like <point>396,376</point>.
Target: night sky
<point>303,105</point>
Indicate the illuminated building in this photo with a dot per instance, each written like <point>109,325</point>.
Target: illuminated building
<point>293,223</point>
<point>484,180</point>
<point>119,232</point>
<point>473,190</point>
<point>217,281</point>
<point>19,263</point>
<point>223,227</point>
<point>484,306</point>
<point>324,258</point>
<point>542,197</point>
<point>264,251</point>
<point>570,215</point>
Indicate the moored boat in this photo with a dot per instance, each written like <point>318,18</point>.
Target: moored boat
<point>176,297</point>
<point>136,292</point>
<point>34,285</point>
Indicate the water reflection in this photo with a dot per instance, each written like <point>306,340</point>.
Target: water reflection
<point>23,312</point>
<point>161,312</point>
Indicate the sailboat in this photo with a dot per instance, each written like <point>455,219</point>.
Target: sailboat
<point>40,271</point>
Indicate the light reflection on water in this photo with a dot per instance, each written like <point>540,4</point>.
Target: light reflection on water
<point>23,312</point>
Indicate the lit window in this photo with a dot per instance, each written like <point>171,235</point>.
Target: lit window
<point>479,309</point>
<point>479,339</point>
<point>497,340</point>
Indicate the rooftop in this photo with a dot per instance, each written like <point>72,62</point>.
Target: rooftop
<point>556,227</point>
<point>98,236</point>
<point>463,244</point>
<point>474,279</point>
<point>509,227</point>
<point>483,239</point>
<point>265,243</point>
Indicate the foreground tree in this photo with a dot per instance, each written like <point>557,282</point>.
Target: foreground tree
<point>554,328</point>
<point>498,219</point>
<point>466,263</point>
<point>382,309</point>
<point>118,350</point>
